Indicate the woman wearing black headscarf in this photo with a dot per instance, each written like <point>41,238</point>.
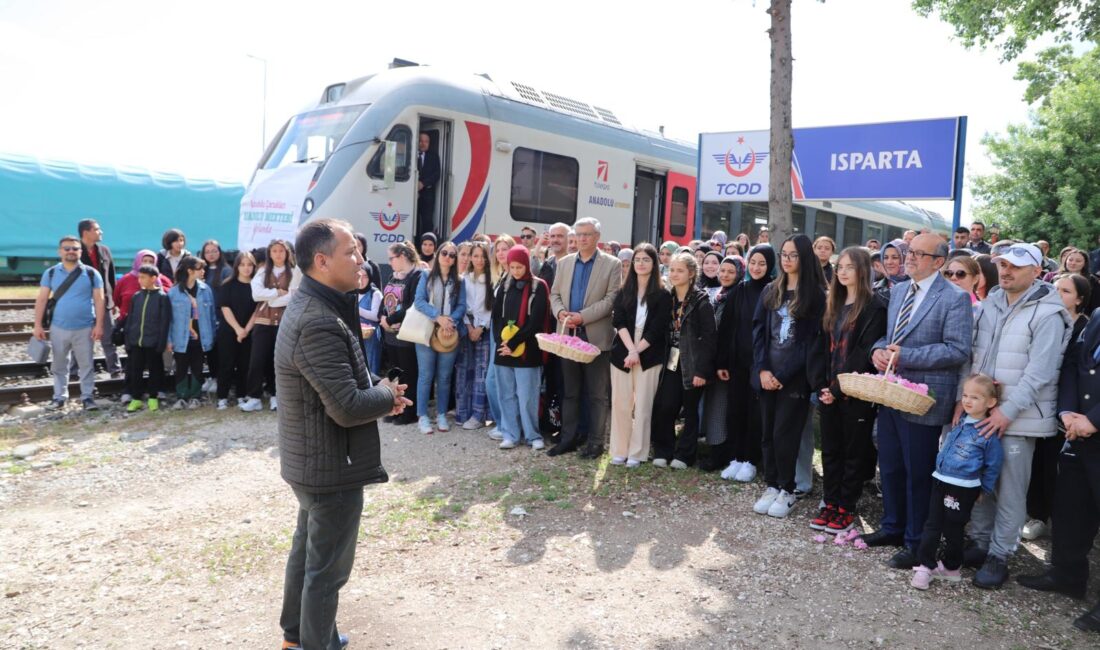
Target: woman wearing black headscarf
<point>716,397</point>
<point>428,244</point>
<point>743,415</point>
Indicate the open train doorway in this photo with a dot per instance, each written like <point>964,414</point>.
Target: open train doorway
<point>648,207</point>
<point>433,178</point>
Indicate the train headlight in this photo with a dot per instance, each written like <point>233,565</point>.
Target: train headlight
<point>309,206</point>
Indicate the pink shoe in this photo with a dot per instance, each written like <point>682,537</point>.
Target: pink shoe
<point>943,573</point>
<point>922,577</point>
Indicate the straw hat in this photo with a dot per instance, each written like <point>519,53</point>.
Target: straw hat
<point>444,341</point>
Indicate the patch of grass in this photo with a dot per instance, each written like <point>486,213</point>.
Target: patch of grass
<point>17,469</point>
<point>242,554</point>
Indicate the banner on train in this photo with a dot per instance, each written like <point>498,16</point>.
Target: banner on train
<point>270,210</point>
<point>896,160</point>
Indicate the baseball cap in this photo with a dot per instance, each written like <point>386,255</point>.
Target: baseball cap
<point>1022,255</point>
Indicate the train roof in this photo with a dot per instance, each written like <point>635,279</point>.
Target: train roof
<point>44,200</point>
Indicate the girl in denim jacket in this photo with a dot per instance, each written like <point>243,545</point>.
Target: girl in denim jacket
<point>967,465</point>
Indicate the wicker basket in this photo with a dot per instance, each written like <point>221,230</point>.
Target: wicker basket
<point>564,351</point>
<point>879,391</point>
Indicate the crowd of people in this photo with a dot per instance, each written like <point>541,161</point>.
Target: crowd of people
<point>714,354</point>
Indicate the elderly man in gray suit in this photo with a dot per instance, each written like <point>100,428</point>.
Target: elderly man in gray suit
<point>583,293</point>
<point>929,333</point>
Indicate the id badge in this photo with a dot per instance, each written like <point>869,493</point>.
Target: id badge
<point>673,359</point>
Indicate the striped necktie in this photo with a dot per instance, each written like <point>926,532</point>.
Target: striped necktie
<point>906,313</point>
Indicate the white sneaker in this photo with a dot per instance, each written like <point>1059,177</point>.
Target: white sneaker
<point>442,424</point>
<point>633,464</point>
<point>180,405</point>
<point>782,504</point>
<point>194,403</point>
<point>746,474</point>
<point>678,464</point>
<point>618,460</point>
<point>765,502</point>
<point>251,404</point>
<point>209,386</point>
<point>223,404</point>
<point>507,444</point>
<point>538,445</point>
<point>660,462</point>
<point>425,424</point>
<point>731,471</point>
<point>274,403</point>
<point>1033,529</point>
<point>495,434</point>
<point>473,424</point>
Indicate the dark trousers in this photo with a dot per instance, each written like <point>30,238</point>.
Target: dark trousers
<point>743,417</point>
<point>189,364</point>
<point>404,357</point>
<point>596,379</point>
<point>234,358</point>
<point>321,557</point>
<point>1044,477</point>
<point>948,511</point>
<point>261,363</point>
<point>1076,517</point>
<point>670,398</point>
<point>138,361</point>
<point>847,450</point>
<point>425,212</point>
<point>906,458</point>
<point>782,417</point>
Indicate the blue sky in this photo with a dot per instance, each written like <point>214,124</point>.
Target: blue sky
<point>170,86</point>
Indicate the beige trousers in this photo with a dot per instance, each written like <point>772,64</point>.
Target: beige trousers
<point>632,409</point>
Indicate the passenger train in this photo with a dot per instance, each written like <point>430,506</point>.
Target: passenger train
<point>511,155</point>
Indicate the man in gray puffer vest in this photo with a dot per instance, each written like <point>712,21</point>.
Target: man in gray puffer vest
<point>1020,334</point>
<point>328,437</point>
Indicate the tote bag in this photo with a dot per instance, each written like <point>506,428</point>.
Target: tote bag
<point>416,327</point>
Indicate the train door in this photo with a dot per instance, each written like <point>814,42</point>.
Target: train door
<point>432,204</point>
<point>648,207</point>
<point>679,208</point>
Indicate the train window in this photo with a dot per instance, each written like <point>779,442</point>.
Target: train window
<point>677,221</point>
<point>853,232</point>
<point>544,187</point>
<point>716,216</point>
<point>893,232</point>
<point>798,219</point>
<point>825,225</point>
<point>311,137</point>
<point>402,135</point>
<point>874,231</point>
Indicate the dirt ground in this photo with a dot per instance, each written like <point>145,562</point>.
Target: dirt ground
<point>171,531</point>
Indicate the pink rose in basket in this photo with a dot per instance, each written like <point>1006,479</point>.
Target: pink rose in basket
<point>573,342</point>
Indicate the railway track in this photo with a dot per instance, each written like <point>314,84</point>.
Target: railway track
<point>16,332</point>
<point>11,304</point>
<point>17,369</point>
<point>11,395</point>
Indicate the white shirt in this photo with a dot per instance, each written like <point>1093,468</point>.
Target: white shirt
<point>925,286</point>
<point>641,314</point>
<point>475,301</point>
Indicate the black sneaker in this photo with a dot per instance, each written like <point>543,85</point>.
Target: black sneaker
<point>802,494</point>
<point>992,574</point>
<point>89,404</point>
<point>974,557</point>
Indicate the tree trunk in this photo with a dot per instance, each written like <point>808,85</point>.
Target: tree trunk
<point>782,143</point>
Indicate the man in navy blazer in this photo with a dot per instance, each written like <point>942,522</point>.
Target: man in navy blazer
<point>929,335</point>
<point>428,172</point>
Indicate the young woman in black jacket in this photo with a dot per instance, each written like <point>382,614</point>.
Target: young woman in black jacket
<point>786,331</point>
<point>405,262</point>
<point>690,364</point>
<point>717,396</point>
<point>640,318</point>
<point>855,318</point>
<point>735,356</point>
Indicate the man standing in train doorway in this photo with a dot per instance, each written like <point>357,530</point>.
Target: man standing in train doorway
<point>427,176</point>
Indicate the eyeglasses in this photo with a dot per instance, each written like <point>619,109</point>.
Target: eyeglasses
<point>920,255</point>
<point>958,275</point>
<point>450,254</point>
<point>790,257</point>
<point>70,249</point>
<point>526,236</point>
<point>586,234</point>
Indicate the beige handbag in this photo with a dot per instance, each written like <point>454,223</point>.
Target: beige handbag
<point>416,327</point>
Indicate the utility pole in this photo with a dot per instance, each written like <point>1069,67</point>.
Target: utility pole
<point>263,119</point>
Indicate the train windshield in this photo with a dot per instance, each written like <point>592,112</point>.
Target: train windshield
<point>312,137</point>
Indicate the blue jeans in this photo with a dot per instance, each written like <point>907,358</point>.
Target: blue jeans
<point>438,367</point>
<point>321,555</point>
<point>519,403</point>
<point>491,388</point>
<point>372,350</point>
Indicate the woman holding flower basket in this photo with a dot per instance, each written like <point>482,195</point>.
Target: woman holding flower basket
<point>855,318</point>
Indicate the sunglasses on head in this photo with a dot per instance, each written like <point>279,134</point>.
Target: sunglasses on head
<point>1022,252</point>
<point>958,275</point>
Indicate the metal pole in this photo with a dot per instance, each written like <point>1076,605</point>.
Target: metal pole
<point>960,161</point>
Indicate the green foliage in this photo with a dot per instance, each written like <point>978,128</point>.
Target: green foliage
<point>1045,185</point>
<point>1012,24</point>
